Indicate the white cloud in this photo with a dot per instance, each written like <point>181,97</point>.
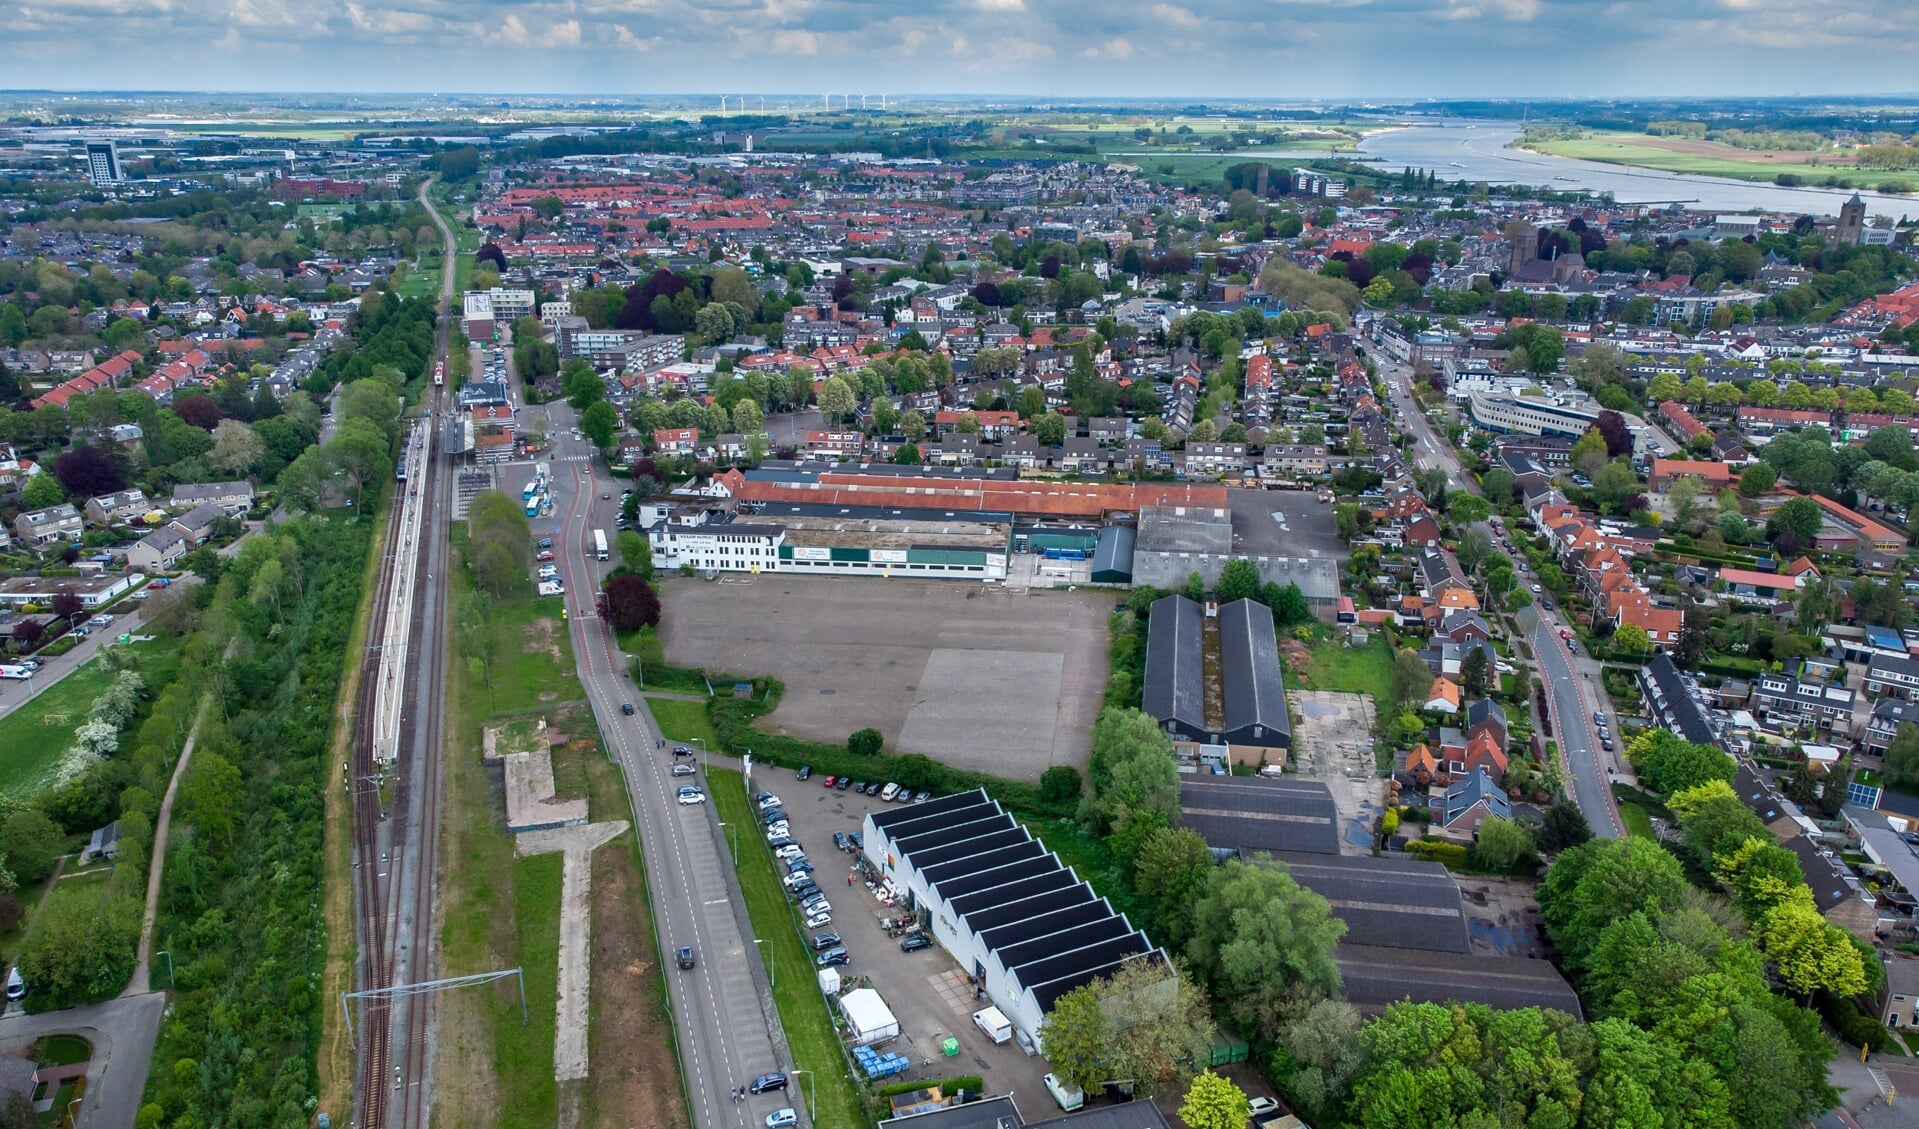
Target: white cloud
<point>796,42</point>
<point>1115,48</point>
<point>514,33</point>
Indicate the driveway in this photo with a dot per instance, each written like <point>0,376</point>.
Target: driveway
<point>122,1033</point>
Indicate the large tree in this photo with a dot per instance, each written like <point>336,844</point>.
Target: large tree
<point>87,472</point>
<point>1264,944</point>
<point>631,602</point>
<point>1213,1102</point>
<point>1238,580</point>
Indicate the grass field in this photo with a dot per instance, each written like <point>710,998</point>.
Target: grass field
<point>809,1027</point>
<point>1709,158</point>
<point>500,910</point>
<point>1353,670</point>
<point>684,721</point>
<point>1638,821</point>
<point>33,737</point>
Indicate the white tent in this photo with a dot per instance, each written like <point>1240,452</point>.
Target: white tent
<point>868,1015</point>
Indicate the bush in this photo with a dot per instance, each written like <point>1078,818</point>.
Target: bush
<point>865,742</point>
<point>30,842</point>
<point>1450,855</point>
<point>1059,784</point>
<point>1855,1026</point>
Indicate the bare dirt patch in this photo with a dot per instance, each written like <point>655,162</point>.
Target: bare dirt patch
<point>543,637</point>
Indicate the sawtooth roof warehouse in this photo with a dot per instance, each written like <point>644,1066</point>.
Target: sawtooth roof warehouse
<point>1003,905</point>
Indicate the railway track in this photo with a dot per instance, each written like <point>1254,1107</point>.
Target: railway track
<point>397,742</point>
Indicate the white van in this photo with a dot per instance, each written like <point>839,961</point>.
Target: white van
<point>887,793</point>
<point>994,1023</point>
<point>16,987</point>
<point>1069,1098</point>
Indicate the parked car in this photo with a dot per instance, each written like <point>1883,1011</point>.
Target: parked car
<point>818,920</point>
<point>785,853</point>
<point>860,787</point>
<point>914,942</point>
<point>544,555</point>
<point>922,797</point>
<point>546,542</point>
<point>832,957</point>
<point>1258,1106</point>
<point>887,793</point>
<point>684,769</point>
<point>829,782</point>
<point>691,795</point>
<point>782,1118</point>
<point>824,941</point>
<point>767,800</point>
<point>768,1082</point>
<point>805,771</point>
<point>841,841</point>
<point>845,782</point>
<point>682,751</point>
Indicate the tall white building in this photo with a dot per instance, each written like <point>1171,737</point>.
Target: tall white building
<point>103,162</point>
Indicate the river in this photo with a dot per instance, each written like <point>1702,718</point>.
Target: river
<point>1477,151</point>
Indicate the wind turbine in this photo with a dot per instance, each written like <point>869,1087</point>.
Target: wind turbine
<point>882,102</point>
<point>862,99</point>
<point>762,103</point>
<point>722,103</point>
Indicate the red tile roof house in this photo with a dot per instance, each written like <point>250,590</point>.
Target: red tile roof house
<point>1713,476</point>
<point>1764,589</point>
<point>676,440</point>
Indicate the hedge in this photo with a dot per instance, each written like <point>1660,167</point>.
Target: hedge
<point>1450,855</point>
<point>733,721</point>
<point>972,1083</point>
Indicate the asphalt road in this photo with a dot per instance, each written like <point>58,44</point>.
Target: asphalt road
<point>14,694</point>
<point>1572,725</point>
<point>1429,448</point>
<point>728,1030</point>
<point>122,1032</point>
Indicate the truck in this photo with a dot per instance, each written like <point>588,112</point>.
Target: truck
<point>16,672</point>
<point>599,545</point>
<point>993,1022</point>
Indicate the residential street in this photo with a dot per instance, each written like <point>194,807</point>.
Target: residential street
<point>1572,725</point>
<point>122,1032</point>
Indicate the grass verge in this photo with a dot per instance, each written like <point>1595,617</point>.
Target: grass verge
<point>34,736</point>
<point>810,1034</point>
<point>1637,820</point>
<point>684,721</point>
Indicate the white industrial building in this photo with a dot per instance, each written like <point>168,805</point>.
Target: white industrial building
<point>868,541</point>
<point>1017,919</point>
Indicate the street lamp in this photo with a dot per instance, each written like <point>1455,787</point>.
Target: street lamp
<point>796,1072</point>
<point>169,956</point>
<point>772,968</point>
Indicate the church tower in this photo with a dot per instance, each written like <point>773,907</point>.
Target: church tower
<point>1852,221</point>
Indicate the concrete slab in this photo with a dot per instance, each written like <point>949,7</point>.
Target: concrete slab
<point>576,933</point>
<point>1333,743</point>
<point>1022,689</point>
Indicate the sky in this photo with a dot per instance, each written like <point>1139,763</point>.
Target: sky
<point>1263,49</point>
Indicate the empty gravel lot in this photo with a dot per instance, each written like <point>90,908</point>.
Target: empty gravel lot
<point>976,676</point>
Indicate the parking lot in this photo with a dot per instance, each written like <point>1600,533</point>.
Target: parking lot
<point>978,676</point>
<point>926,990</point>
<point>1283,523</point>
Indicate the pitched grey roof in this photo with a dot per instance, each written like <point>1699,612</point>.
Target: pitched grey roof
<point>1376,977</point>
<point>1175,687</point>
<point>1252,682</point>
